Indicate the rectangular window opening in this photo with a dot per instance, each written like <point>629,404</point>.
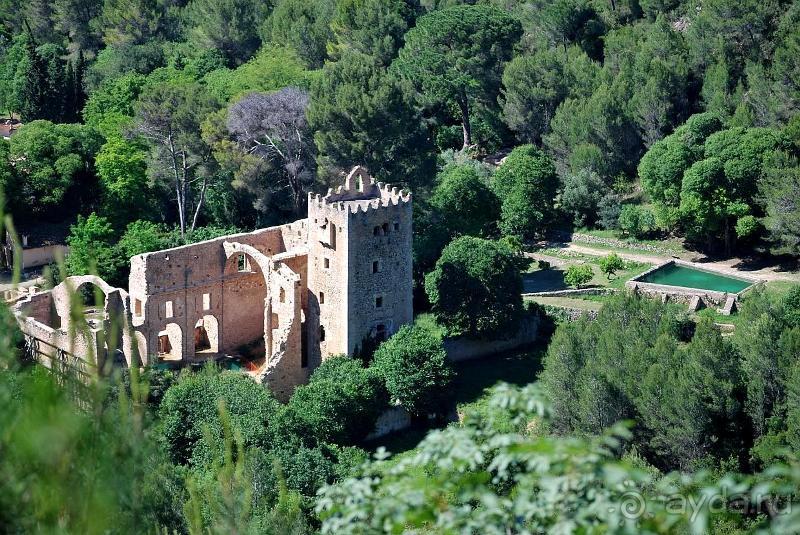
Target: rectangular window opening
<point>168,309</point>
<point>243,263</point>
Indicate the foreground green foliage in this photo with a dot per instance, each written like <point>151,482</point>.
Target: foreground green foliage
<point>497,472</point>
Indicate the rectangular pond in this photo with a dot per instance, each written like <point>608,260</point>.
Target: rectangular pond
<point>673,274</point>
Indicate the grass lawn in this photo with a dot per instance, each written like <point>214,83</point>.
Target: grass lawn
<point>474,378</point>
<point>427,321</point>
<point>775,287</point>
<point>552,279</point>
<point>780,287</point>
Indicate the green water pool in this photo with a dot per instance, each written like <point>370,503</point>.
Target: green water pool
<point>687,277</point>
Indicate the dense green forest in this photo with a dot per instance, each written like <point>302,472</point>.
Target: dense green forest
<point>148,124</point>
<point>651,118</point>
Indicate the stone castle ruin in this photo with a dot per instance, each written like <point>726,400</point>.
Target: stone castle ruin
<point>284,297</point>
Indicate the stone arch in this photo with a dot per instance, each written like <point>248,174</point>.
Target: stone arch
<point>63,293</point>
<point>263,262</point>
<point>245,301</point>
<point>170,342</point>
<point>206,335</point>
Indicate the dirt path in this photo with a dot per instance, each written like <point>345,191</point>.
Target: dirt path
<point>732,266</point>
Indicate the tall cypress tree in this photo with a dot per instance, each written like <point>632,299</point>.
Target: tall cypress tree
<point>79,70</point>
<point>55,83</point>
<point>30,82</point>
<point>69,114</point>
<point>74,96</point>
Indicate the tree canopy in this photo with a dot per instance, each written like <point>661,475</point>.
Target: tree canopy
<point>475,288</point>
<point>456,55</point>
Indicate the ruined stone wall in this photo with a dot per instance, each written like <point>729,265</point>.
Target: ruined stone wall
<point>305,290</point>
<point>175,290</point>
<point>85,345</point>
<point>39,307</point>
<point>285,368</point>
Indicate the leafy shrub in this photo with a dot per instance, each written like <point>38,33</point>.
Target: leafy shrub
<point>581,196</point>
<point>526,184</point>
<point>578,274</point>
<point>637,221</point>
<point>190,414</point>
<point>610,264</point>
<point>340,404</point>
<point>416,370</point>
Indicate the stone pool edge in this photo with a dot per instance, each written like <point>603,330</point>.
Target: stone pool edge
<point>687,295</point>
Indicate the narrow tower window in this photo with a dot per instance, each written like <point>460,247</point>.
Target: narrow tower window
<point>321,333</point>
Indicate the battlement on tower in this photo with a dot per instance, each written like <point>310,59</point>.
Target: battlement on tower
<point>360,194</point>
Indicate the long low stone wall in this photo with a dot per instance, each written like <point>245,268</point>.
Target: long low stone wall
<point>459,349</point>
<point>612,242</point>
<point>567,293</point>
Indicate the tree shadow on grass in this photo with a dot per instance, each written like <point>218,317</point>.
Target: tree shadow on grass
<point>543,280</point>
<point>472,381</point>
<point>519,367</point>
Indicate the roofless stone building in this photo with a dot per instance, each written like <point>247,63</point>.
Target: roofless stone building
<point>289,295</point>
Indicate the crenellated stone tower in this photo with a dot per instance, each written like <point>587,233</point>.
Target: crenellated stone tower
<point>359,265</point>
